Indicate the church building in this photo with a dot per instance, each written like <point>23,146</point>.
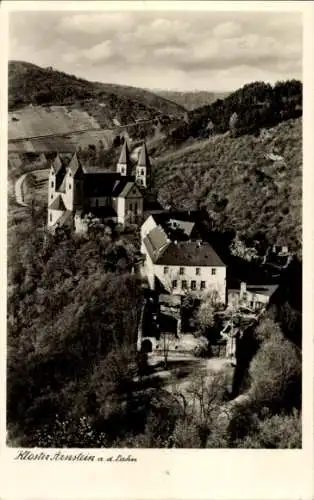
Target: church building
<point>76,191</point>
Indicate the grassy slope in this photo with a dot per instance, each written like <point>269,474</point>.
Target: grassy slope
<point>234,181</point>
<point>191,100</point>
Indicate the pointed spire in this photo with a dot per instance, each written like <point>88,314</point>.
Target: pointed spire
<point>74,164</point>
<point>125,155</point>
<point>57,163</point>
<point>143,158</point>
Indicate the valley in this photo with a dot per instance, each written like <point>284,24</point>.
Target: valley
<point>76,297</point>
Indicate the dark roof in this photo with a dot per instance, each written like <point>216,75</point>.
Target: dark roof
<point>121,184</point>
<point>62,187</point>
<point>57,204</point>
<point>189,253</point>
<point>57,164</point>
<point>102,184</point>
<point>143,158</point>
<point>74,164</point>
<point>125,155</point>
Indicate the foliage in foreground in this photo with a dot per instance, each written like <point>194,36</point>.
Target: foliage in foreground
<point>73,380</point>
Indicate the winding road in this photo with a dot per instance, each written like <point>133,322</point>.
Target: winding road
<point>19,190</point>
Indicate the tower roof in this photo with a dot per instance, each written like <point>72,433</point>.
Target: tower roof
<point>57,204</point>
<point>125,155</point>
<point>143,159</point>
<point>74,164</point>
<point>57,164</point>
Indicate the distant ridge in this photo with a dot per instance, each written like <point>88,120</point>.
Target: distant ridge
<point>191,99</point>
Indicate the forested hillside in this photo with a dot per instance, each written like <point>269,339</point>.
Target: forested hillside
<point>247,110</point>
<point>191,100</point>
<point>73,377</point>
<point>31,84</point>
<point>249,184</point>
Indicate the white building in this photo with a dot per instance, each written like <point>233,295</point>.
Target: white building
<point>176,260</point>
<point>76,190</point>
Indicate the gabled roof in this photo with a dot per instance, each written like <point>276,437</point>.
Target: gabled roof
<point>74,164</point>
<point>143,158</point>
<point>125,155</point>
<point>127,188</point>
<point>57,204</point>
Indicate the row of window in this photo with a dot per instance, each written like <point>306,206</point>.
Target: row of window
<point>182,271</point>
<point>184,284</point>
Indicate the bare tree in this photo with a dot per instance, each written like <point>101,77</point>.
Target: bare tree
<point>166,343</point>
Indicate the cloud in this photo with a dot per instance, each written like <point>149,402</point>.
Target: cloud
<point>96,22</point>
<point>163,49</point>
<point>227,30</point>
<point>100,52</point>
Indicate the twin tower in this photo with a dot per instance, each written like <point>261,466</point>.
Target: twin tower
<point>142,169</point>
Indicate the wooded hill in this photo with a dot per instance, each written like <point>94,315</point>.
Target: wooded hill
<point>31,84</point>
<point>247,184</point>
<point>255,106</point>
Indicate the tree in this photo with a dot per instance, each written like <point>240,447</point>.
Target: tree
<point>205,315</point>
<point>165,340</point>
<point>269,431</point>
<point>276,374</point>
<point>198,426</point>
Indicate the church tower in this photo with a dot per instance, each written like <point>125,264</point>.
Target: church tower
<point>143,168</point>
<point>124,166</point>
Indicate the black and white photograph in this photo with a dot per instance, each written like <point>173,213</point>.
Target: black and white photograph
<point>154,229</point>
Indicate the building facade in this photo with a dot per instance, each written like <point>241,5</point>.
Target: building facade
<point>76,190</point>
<point>180,266</point>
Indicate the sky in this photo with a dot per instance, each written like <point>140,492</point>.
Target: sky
<point>214,51</point>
